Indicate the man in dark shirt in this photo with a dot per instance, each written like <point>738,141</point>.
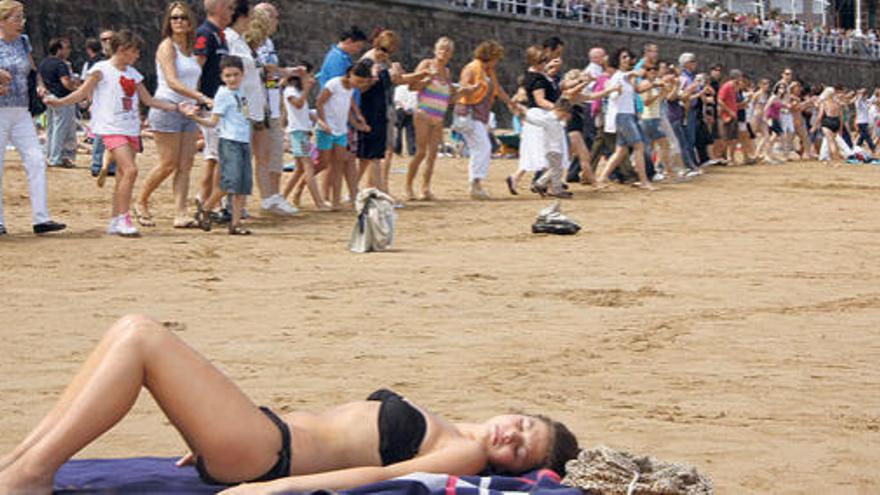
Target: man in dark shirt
<point>712,112</point>
<point>210,47</point>
<point>58,79</point>
<point>94,54</point>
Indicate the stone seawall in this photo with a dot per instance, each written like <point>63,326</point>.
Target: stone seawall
<point>310,26</point>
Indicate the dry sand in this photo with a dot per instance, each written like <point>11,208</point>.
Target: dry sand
<point>731,322</point>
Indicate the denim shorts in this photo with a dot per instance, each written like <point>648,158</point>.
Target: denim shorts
<point>651,130</point>
<point>299,144</point>
<point>327,141</point>
<point>628,132</point>
<point>236,172</point>
<point>163,121</point>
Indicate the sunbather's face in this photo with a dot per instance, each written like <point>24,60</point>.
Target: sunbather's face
<point>517,443</point>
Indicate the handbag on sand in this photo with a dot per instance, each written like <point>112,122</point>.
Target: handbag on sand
<point>374,229</point>
<point>552,221</point>
<point>35,103</point>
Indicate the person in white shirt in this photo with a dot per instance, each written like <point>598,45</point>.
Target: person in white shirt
<point>405,101</point>
<point>336,109</point>
<point>299,128</point>
<point>623,106</point>
<point>862,104</point>
<point>269,142</point>
<point>117,89</point>
<point>178,72</point>
<point>553,124</point>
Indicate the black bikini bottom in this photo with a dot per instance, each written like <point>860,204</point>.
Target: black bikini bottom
<point>831,123</point>
<point>281,469</point>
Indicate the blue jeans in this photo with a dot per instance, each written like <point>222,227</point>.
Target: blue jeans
<point>865,136</point>
<point>691,137</point>
<point>98,157</point>
<point>681,136</point>
<point>61,129</point>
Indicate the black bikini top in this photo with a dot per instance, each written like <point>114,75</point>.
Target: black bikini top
<point>402,427</point>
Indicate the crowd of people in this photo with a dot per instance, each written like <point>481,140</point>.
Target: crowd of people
<point>221,86</point>
<point>708,21</point>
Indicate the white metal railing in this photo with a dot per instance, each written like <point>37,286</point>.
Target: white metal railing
<point>670,21</point>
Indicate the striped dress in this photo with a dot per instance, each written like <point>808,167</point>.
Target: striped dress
<point>434,99</point>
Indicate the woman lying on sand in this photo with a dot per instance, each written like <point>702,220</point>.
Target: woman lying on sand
<point>234,441</point>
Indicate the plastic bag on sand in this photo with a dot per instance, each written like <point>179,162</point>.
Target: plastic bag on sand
<point>606,471</point>
<point>374,229</point>
<point>552,221</point>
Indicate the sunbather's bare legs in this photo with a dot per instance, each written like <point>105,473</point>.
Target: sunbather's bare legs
<point>234,438</point>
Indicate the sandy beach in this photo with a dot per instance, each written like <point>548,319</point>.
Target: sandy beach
<point>730,322</point>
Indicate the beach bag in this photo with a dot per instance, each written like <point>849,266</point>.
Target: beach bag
<point>462,119</point>
<point>607,471</point>
<point>552,221</point>
<point>374,229</point>
<point>35,103</point>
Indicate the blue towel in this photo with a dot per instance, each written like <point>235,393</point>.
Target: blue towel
<point>153,475</point>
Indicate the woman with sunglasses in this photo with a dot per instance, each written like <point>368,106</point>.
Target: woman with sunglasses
<point>178,72</point>
<point>16,125</point>
<point>376,107</point>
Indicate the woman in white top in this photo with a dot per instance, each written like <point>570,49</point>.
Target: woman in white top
<point>178,72</point>
<point>268,147</point>
<point>623,105</point>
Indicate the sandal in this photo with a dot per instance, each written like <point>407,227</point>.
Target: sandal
<point>238,230</point>
<point>510,185</point>
<point>202,218</point>
<point>144,219</point>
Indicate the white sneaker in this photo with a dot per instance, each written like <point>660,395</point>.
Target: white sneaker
<point>659,177</point>
<point>285,208</point>
<point>268,204</point>
<point>125,227</point>
<point>279,206</point>
<point>111,229</point>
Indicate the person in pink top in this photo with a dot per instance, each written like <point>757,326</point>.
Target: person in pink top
<point>773,117</point>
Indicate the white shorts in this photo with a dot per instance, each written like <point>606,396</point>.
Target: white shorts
<point>212,143</point>
<point>276,146</point>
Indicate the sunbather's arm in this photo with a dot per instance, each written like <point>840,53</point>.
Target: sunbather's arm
<point>462,459</point>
